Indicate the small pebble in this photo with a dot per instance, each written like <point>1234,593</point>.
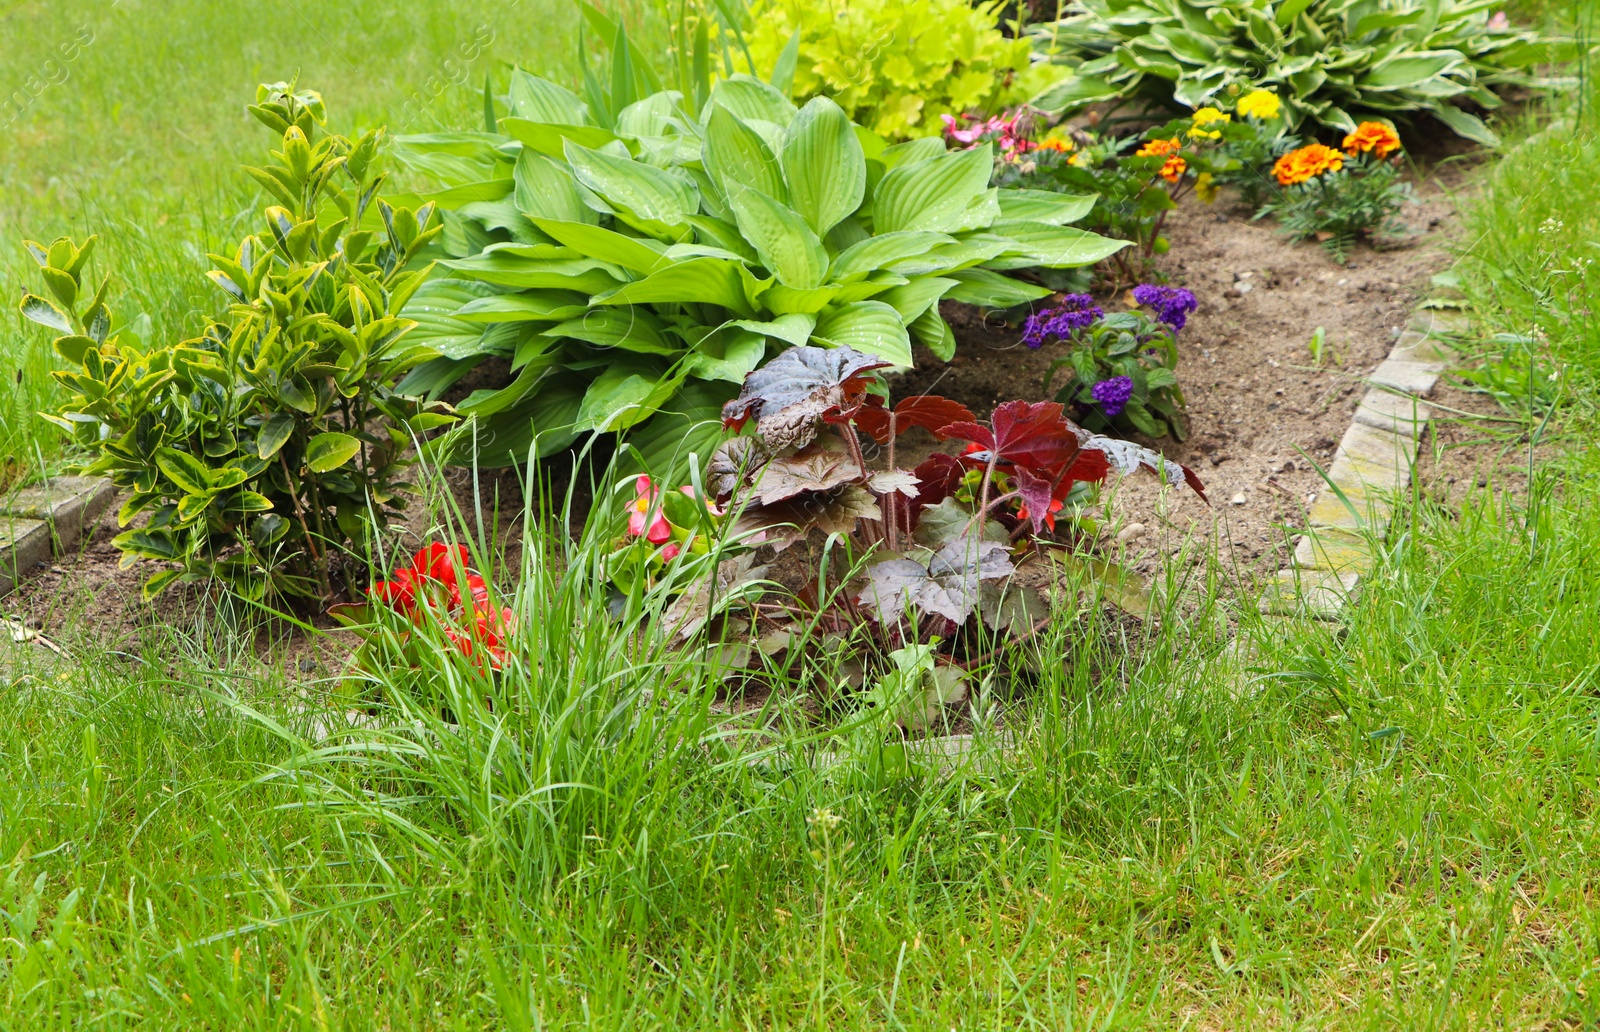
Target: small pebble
<point>1131,531</point>
<point>1237,499</point>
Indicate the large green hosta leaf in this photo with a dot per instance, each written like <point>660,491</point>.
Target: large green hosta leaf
<point>824,165</point>
<point>931,195</point>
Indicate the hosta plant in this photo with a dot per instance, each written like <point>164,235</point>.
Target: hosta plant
<point>1330,61</point>
<point>898,66</point>
<point>937,542</point>
<point>262,450</point>
<point>1339,197</point>
<point>632,275</point>
<point>1119,369</point>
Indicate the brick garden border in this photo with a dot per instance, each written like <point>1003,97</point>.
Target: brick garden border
<point>1372,465</point>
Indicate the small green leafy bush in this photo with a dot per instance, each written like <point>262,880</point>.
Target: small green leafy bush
<point>634,261</point>
<point>1330,60</point>
<point>264,447</point>
<point>897,66</point>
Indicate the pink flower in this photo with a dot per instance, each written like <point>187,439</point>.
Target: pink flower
<point>670,553</point>
<point>1498,22</point>
<point>711,505</point>
<point>659,530</point>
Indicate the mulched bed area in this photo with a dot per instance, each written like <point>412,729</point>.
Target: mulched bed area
<point>1259,408</point>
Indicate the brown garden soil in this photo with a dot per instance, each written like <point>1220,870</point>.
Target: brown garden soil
<point>1261,413</point>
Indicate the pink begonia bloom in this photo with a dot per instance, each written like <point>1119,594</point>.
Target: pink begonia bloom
<point>711,505</point>
<point>1498,22</point>
<point>670,553</point>
<point>659,530</point>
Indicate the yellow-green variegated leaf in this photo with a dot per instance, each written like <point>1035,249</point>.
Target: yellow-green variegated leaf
<point>540,100</point>
<point>1054,247</point>
<point>932,195</point>
<point>327,452</point>
<point>911,299</point>
<point>638,254</point>
<point>1058,209</point>
<point>750,98</point>
<point>626,392</point>
<point>870,327</point>
<point>824,165</point>
<point>628,327</point>
<point>862,259</point>
<point>989,289</point>
<point>735,154</point>
<point>643,190</point>
<point>546,190</point>
<point>715,281</point>
<point>787,246</point>
<point>935,334</point>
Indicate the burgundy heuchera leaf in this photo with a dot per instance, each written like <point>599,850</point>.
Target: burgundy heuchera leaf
<point>1028,434</point>
<point>929,411</point>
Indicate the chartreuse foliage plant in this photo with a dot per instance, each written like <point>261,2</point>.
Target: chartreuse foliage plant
<point>633,272</point>
<point>259,451</point>
<point>1331,61</point>
<point>898,66</point>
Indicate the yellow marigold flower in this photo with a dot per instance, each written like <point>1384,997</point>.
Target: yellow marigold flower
<point>1305,163</point>
<point>1159,148</point>
<point>1262,104</point>
<point>1372,138</point>
<point>1206,188</point>
<point>1208,116</point>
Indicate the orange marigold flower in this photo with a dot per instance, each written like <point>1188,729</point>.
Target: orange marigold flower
<point>1305,163</point>
<point>1056,144</point>
<point>1159,148</point>
<point>1372,138</point>
<point>1172,171</point>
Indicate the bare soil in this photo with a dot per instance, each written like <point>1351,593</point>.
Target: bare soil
<point>1261,412</point>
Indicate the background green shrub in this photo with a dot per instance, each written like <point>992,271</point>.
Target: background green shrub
<point>1331,61</point>
<point>896,66</point>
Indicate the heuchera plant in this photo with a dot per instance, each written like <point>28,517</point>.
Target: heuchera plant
<point>1120,367</point>
<point>941,537</point>
<point>438,586</point>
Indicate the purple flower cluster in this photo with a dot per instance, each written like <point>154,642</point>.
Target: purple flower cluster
<point>1172,304</point>
<point>1112,394</point>
<point>1073,313</point>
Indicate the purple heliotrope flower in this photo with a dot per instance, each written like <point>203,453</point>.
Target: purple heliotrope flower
<point>1172,304</point>
<point>1112,394</point>
<point>1073,313</point>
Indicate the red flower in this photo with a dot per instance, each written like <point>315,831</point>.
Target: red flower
<point>659,531</point>
<point>440,562</point>
<point>400,593</point>
<point>670,553</point>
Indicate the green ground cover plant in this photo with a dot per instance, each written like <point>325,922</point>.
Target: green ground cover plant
<point>1332,61</point>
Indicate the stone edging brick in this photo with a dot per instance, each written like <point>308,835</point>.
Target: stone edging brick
<point>45,518</point>
<point>1372,465</point>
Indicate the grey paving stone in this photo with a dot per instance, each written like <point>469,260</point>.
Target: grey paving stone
<point>1422,349</point>
<point>24,548</point>
<point>1403,375</point>
<point>1395,413</point>
<point>1329,549</point>
<point>1369,510</point>
<point>1378,447</point>
<point>1319,594</point>
<point>71,505</point>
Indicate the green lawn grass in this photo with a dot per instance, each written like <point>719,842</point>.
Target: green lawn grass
<point>1390,823</point>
